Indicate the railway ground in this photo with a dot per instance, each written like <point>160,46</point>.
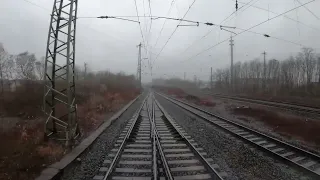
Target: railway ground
<point>299,130</point>
<point>230,156</point>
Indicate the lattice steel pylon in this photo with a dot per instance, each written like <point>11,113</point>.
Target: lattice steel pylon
<point>59,92</point>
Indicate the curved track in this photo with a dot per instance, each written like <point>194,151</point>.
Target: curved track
<point>153,146</point>
<point>304,160</point>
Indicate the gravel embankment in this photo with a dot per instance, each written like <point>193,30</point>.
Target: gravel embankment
<point>93,157</point>
<point>237,159</point>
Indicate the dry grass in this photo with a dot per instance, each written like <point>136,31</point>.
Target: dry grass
<point>24,153</point>
<point>181,94</point>
<point>289,126</point>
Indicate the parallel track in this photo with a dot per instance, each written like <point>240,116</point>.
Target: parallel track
<point>153,146</point>
<point>287,106</point>
<point>304,160</point>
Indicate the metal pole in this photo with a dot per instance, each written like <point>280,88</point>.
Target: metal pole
<point>85,70</point>
<point>139,65</point>
<point>231,69</point>
<point>264,69</point>
<point>59,68</point>
<point>211,82</point>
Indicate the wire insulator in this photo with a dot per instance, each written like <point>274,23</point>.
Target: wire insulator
<point>102,17</point>
<point>236,5</point>
<point>266,35</point>
<point>209,24</point>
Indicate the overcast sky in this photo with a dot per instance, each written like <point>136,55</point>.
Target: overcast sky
<point>111,44</point>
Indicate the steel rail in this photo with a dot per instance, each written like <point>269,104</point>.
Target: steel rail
<point>312,157</point>
<point>214,174</point>
<point>154,150</point>
<point>116,158</point>
<point>158,144</point>
<point>283,105</point>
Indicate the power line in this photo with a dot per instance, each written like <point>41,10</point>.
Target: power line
<point>250,5</point>
<point>34,4</point>
<point>209,32</point>
<point>235,11</point>
<point>145,24</point>
<point>149,34</point>
<point>135,2</point>
<point>267,10</point>
<point>248,29</point>
<point>169,11</point>
<point>174,31</point>
<point>309,10</point>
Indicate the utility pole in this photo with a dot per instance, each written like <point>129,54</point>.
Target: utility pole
<point>231,69</point>
<point>139,65</point>
<point>59,67</point>
<point>264,69</point>
<point>211,81</point>
<point>85,70</point>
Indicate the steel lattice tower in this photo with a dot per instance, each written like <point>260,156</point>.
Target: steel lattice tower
<point>59,92</point>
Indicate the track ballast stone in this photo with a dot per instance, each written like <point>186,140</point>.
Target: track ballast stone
<point>93,157</point>
<point>239,160</point>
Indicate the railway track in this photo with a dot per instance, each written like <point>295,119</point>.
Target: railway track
<point>295,156</point>
<point>287,106</point>
<point>153,146</point>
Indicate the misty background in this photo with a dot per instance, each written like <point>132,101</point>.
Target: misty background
<point>110,44</point>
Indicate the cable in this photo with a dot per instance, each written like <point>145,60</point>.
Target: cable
<point>248,29</point>
<point>145,24</point>
<point>135,2</point>
<point>174,31</point>
<point>235,11</point>
<point>149,34</point>
<point>309,10</point>
<point>150,18</point>
<point>34,4</point>
<point>111,17</point>
<point>246,7</point>
<point>209,32</point>
<point>268,36</point>
<point>169,11</point>
<point>263,9</point>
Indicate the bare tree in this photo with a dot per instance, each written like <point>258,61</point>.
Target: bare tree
<point>25,64</point>
<point>308,58</point>
<point>40,68</point>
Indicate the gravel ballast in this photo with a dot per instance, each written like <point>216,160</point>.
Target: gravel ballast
<point>237,159</point>
<point>89,162</point>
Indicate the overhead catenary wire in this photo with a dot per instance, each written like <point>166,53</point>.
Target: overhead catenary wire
<point>173,32</point>
<point>168,13</point>
<point>135,2</point>
<point>149,34</point>
<point>245,30</point>
<point>249,5</point>
<point>287,17</point>
<point>309,10</point>
<point>209,32</point>
<point>34,4</point>
<point>235,12</point>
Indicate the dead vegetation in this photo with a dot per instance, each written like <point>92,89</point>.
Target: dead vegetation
<point>24,153</point>
<point>295,79</point>
<point>181,94</point>
<point>288,126</point>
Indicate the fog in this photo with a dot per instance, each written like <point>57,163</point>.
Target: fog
<point>112,44</point>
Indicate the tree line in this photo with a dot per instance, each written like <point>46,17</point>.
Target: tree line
<point>21,66</point>
<point>296,75</point>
